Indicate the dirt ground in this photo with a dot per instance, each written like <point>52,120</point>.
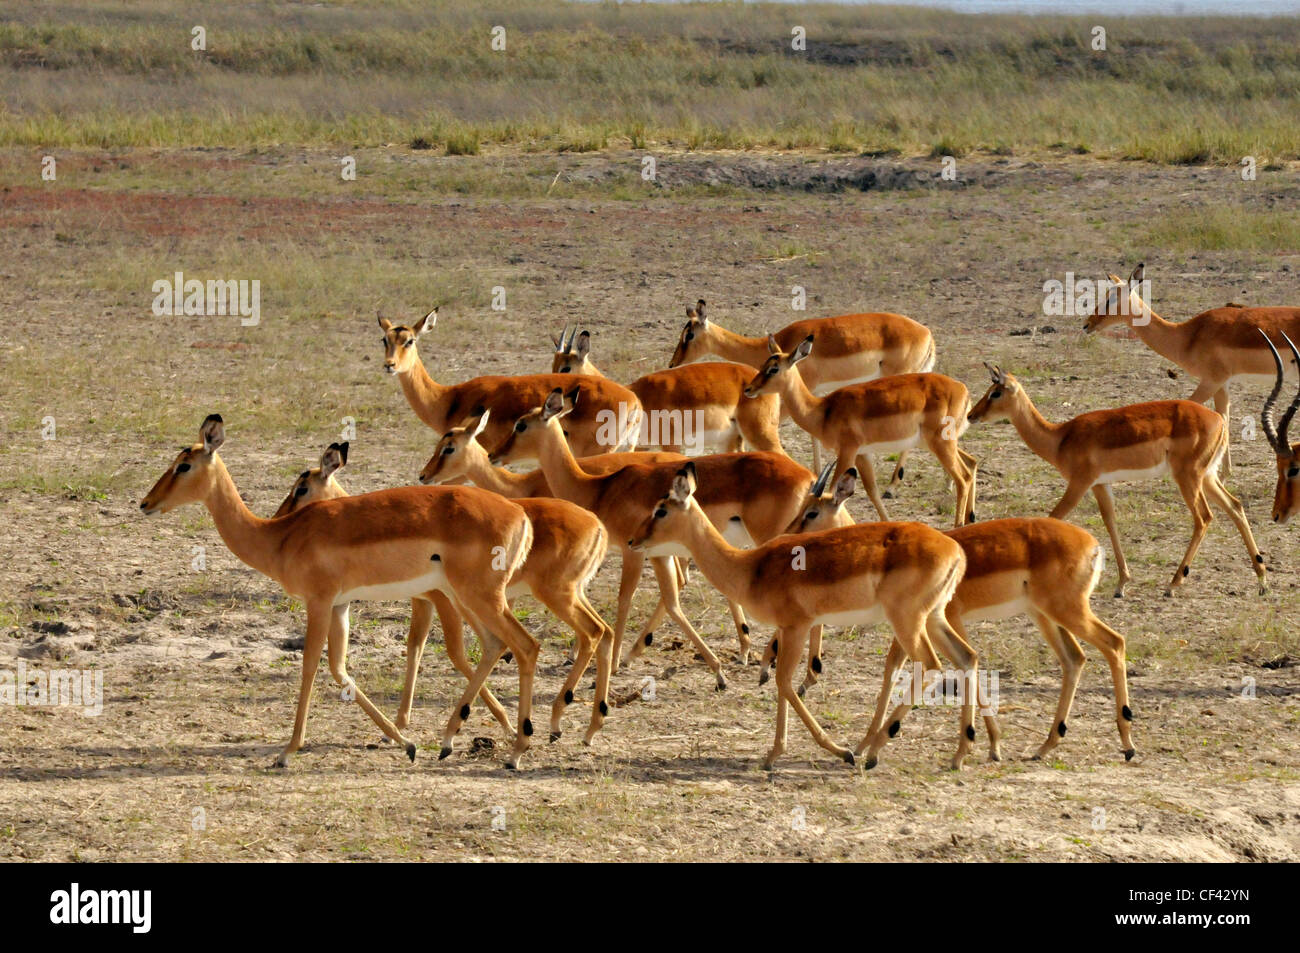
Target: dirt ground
<point>201,668</point>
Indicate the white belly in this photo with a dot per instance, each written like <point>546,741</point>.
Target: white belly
<point>1263,380</point>
<point>734,532</point>
<point>405,589</point>
<point>1002,610</point>
<point>667,549</point>
<point>1134,476</point>
<point>894,446</point>
<point>853,617</point>
<point>824,388</point>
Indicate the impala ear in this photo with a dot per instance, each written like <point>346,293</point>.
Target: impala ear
<point>554,406</point>
<point>385,324</point>
<point>699,310</point>
<point>571,399</point>
<point>212,433</point>
<point>334,457</point>
<point>1115,279</point>
<point>845,486</point>
<point>584,344</point>
<point>772,346</point>
<point>1136,277</point>
<point>684,484</point>
<point>426,323</point>
<point>481,425</point>
<point>803,350</point>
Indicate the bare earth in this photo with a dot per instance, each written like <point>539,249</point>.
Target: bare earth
<point>201,667</point>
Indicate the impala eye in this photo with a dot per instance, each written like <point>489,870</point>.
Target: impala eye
<point>520,427</point>
<point>182,468</point>
<point>690,336</point>
<point>301,491</point>
<point>812,515</point>
<point>771,371</point>
<point>408,343</point>
<point>996,394</point>
<point>660,513</point>
<point>448,451</point>
<point>1293,471</point>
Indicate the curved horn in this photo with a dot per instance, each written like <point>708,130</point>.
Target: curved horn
<point>559,342</point>
<point>1266,415</point>
<point>819,487</point>
<point>995,372</point>
<point>1284,445</point>
<point>572,334</point>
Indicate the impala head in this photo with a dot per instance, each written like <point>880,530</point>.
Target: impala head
<point>399,342</point>
<point>529,430</point>
<point>456,451</point>
<point>318,483</point>
<point>668,520</point>
<point>824,509</point>
<point>1119,303</point>
<point>571,355</point>
<point>694,342</point>
<point>189,478</point>
<point>777,364</point>
<point>998,400</point>
<point>1286,498</point>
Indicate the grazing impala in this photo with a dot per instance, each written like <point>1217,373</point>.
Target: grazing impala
<point>393,544</point>
<point>1286,497</point>
<point>856,575</point>
<point>850,348</point>
<point>752,496</point>
<point>700,403</point>
<point>1136,442</point>
<point>1217,347</point>
<point>1043,567</point>
<point>609,418</point>
<point>886,415</point>
<point>568,547</point>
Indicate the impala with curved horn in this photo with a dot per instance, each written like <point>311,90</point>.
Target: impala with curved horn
<point>392,544</point>
<point>702,405</point>
<point>1145,441</point>
<point>608,421</point>
<point>1217,347</point>
<point>1286,496</point>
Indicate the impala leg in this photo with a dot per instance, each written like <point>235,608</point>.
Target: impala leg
<point>945,451</point>
<point>493,649</point>
<point>453,638</point>
<point>337,649</point>
<point>589,629</point>
<point>787,660</point>
<point>668,586</point>
<point>972,467</point>
<point>868,476</point>
<point>1223,405</point>
<point>897,476</point>
<point>988,710</point>
<point>1220,497</point>
<point>526,649</point>
<point>768,661</point>
<point>782,711</point>
<point>416,636</point>
<point>600,703</point>
<point>319,619</point>
<point>1190,488</point>
<point>814,660</point>
<point>967,661</point>
<point>1106,506</point>
<point>1072,659</point>
<point>910,633</point>
<point>742,630</point>
<point>1079,620</point>
<point>646,635</point>
<point>633,562</point>
<point>893,662</point>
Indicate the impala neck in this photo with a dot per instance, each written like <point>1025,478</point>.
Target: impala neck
<point>1166,338</point>
<point>804,407</point>
<point>567,480</point>
<point>1039,434</point>
<point>726,567</point>
<point>731,346</point>
<point>425,395</point>
<point>504,482</point>
<point>254,541</point>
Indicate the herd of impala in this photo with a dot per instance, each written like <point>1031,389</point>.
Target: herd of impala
<point>772,537</point>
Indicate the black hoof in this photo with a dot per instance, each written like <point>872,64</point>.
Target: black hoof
<point>410,751</point>
<point>555,736</point>
<point>887,495</point>
<point>802,689</point>
<point>869,764</point>
<point>444,754</point>
<point>510,766</point>
<point>508,657</point>
<point>763,676</point>
<point>848,757</point>
<point>1129,754</point>
<point>722,684</point>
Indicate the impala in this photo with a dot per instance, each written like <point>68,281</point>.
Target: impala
<point>1217,347</point>
<point>392,544</point>
<point>1043,567</point>
<point>862,574</point>
<point>886,415</point>
<point>609,419</point>
<point>851,348</point>
<point>1286,497</point>
<point>700,403</point>
<point>568,547</point>
<point>753,495</point>
<point>1136,442</point>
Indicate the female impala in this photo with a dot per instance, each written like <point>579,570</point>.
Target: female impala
<point>1217,347</point>
<point>902,572</point>
<point>850,348</point>
<point>702,404</point>
<point>754,495</point>
<point>885,415</point>
<point>1286,497</point>
<point>1043,567</point>
<point>1136,442</point>
<point>568,547</point>
<point>393,544</point>
<point>609,418</point>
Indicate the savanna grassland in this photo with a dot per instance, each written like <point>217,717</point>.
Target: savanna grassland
<point>522,170</point>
